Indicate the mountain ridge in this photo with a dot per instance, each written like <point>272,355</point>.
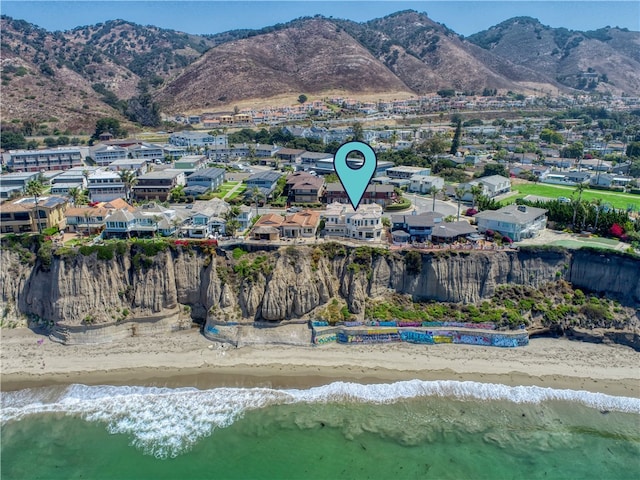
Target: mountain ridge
<point>68,79</point>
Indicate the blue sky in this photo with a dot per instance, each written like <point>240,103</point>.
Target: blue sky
<point>464,17</point>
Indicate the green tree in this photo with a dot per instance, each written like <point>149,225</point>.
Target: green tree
<point>455,144</point>
<point>302,98</point>
<point>575,150</point>
<point>35,188</point>
<point>177,193</point>
<point>50,142</point>
<point>12,141</point>
<point>108,125</point>
<point>633,149</point>
<point>494,169</point>
<point>358,133</point>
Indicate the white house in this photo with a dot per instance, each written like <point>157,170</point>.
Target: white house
<point>341,220</point>
<point>424,183</point>
<point>208,218</point>
<point>105,186</point>
<point>516,221</point>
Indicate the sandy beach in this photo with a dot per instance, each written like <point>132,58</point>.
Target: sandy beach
<point>186,358</point>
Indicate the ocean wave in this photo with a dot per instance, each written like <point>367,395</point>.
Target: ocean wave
<point>166,422</point>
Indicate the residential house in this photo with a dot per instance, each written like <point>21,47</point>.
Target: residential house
<point>172,152</point>
<point>15,182</point>
<point>73,178</point>
<point>50,159</point>
<point>567,178</point>
<point>119,224</point>
<point>191,163</point>
<point>265,151</point>
<point>103,154</point>
<point>105,185</point>
<point>610,180</point>
<point>449,232</point>
<point>495,185</point>
<point>23,215</point>
<point>417,226</point>
<point>148,220</point>
<point>197,139</point>
<point>147,151</point>
<point>301,224</point>
<point>516,221</point>
<point>309,159</point>
<point>207,218</point>
<point>267,227</point>
<point>298,225</point>
<point>136,165</point>
<point>302,187</point>
<point>86,219</point>
<point>210,178</point>
<point>265,181</point>
<point>292,155</point>
<point>245,217</point>
<point>383,195</point>
<point>363,224</point>
<point>424,183</point>
<point>158,185</point>
<point>406,172</point>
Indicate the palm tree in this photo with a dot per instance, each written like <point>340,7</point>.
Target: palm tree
<point>579,189</point>
<point>460,191</point>
<point>74,195</point>
<point>597,202</point>
<point>476,191</point>
<point>86,221</point>
<point>434,192</point>
<point>35,188</point>
<point>255,196</point>
<point>129,179</point>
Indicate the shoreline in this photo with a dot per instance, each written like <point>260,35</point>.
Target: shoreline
<point>186,358</point>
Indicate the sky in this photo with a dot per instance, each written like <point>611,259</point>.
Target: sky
<point>208,17</point>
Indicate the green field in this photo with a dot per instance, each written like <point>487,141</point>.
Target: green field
<point>617,200</point>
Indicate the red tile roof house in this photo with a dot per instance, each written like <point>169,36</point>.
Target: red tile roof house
<point>273,226</point>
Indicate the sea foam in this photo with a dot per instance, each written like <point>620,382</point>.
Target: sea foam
<point>165,422</point>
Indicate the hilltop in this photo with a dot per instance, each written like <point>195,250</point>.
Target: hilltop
<point>66,80</point>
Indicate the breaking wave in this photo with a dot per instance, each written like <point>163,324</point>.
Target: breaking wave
<point>166,422</point>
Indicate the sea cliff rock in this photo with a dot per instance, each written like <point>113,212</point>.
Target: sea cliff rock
<point>288,284</point>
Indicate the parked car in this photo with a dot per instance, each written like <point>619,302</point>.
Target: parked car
<point>294,209</point>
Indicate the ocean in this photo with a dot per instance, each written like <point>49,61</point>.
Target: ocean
<point>404,430</point>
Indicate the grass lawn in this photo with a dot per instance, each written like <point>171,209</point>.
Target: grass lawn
<point>618,200</point>
<point>239,191</point>
<point>582,243</point>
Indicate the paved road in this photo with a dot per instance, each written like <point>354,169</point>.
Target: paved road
<point>424,204</point>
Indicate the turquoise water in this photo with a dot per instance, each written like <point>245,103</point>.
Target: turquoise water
<point>403,430</point>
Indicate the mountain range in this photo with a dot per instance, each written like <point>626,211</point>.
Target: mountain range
<point>67,80</point>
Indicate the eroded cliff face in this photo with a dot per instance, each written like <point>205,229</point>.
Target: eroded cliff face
<point>288,284</point>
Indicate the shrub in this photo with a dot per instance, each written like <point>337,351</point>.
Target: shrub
<point>237,253</point>
<point>413,262</point>
<point>616,230</point>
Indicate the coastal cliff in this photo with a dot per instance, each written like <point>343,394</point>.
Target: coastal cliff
<point>133,286</point>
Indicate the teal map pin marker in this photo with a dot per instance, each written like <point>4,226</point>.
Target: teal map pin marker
<point>355,179</point>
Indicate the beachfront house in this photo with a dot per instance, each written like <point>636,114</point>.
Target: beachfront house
<point>515,221</point>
